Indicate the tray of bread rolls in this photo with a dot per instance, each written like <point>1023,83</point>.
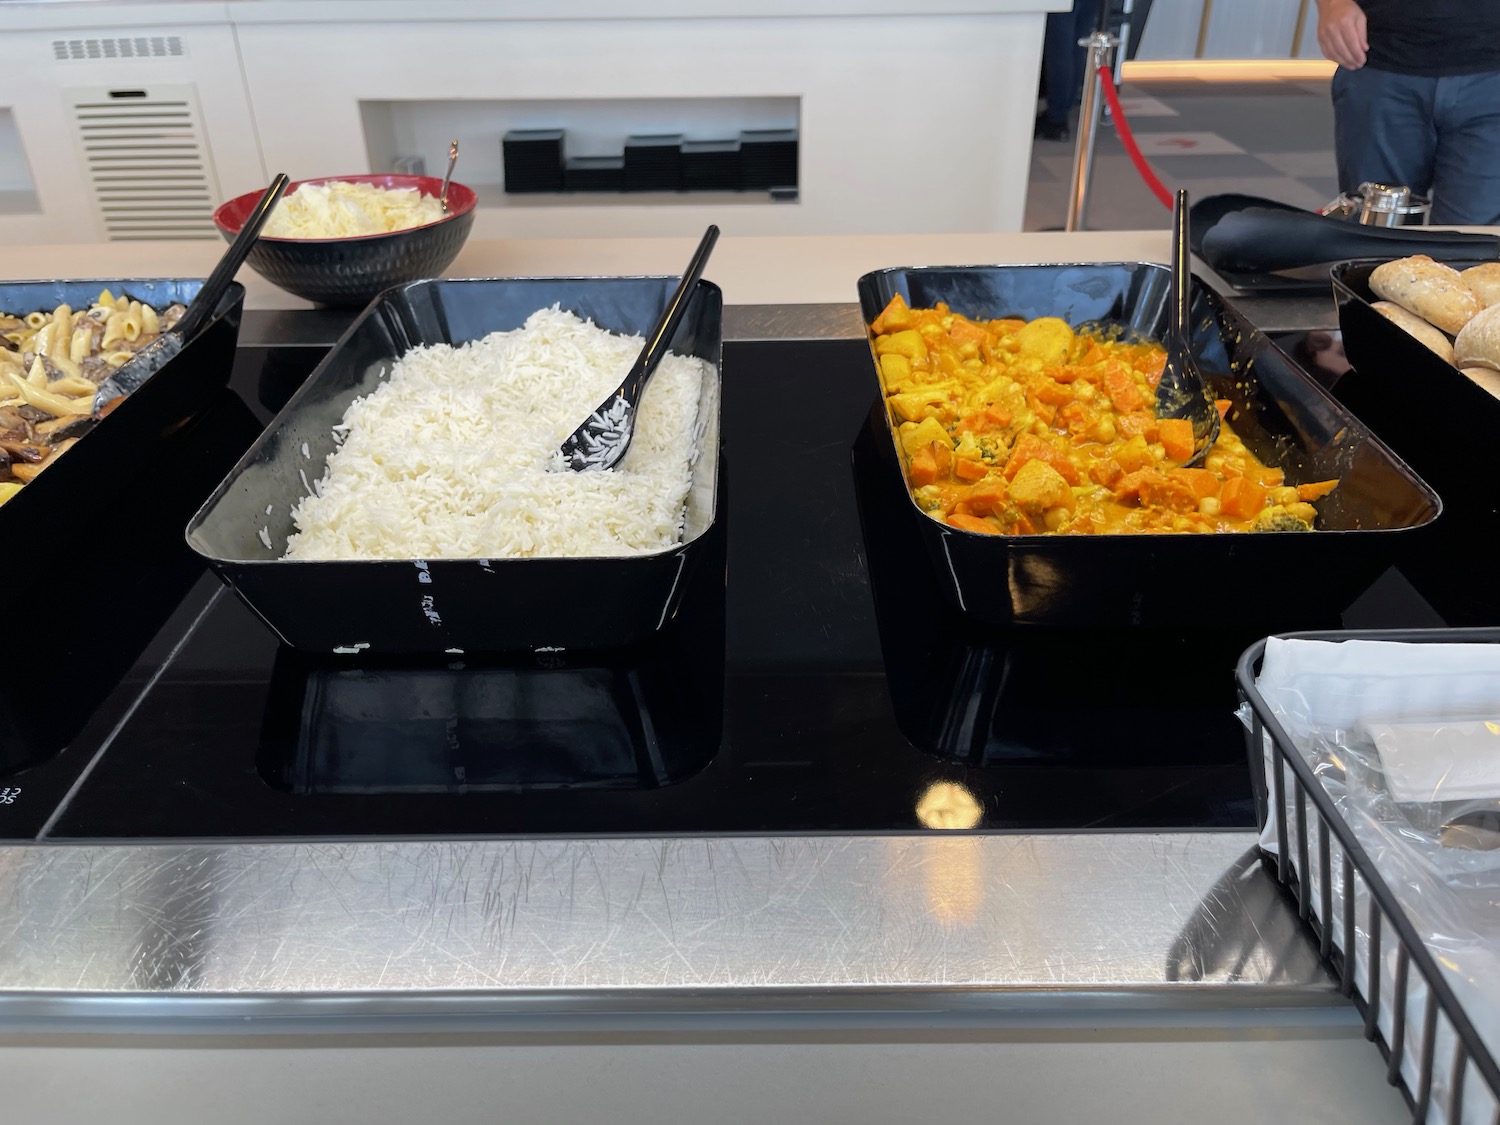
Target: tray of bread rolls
<point>1423,338</point>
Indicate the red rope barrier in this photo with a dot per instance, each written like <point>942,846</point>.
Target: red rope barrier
<point>1127,138</point>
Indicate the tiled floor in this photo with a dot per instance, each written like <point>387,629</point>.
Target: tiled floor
<point>1272,138</point>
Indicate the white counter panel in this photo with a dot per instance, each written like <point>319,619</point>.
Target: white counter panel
<point>34,83</point>
<point>907,123</point>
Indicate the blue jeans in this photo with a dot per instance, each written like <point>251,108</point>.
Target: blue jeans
<point>1437,136</point>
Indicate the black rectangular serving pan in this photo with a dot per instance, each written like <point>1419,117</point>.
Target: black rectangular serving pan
<point>1171,581</point>
<point>453,605</point>
<point>83,530</point>
<point>1440,421</point>
<point>117,452</point>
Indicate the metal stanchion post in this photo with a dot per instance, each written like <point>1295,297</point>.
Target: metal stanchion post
<point>1101,47</point>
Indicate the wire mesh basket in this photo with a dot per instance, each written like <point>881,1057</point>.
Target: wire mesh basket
<point>1434,1054</point>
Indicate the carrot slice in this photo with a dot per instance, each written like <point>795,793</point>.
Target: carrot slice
<point>1316,490</point>
<point>923,469</point>
<point>1176,437</point>
<point>1222,405</point>
<point>1241,498</point>
<point>965,469</point>
<point>987,497</point>
<point>1122,390</point>
<point>972,523</point>
<point>1029,447</point>
<point>1151,366</point>
<point>1201,481</point>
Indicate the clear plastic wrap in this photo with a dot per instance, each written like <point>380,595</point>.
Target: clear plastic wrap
<point>1405,740</point>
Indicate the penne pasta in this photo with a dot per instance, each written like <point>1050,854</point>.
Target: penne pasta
<point>71,384</point>
<point>114,329</point>
<point>53,363</point>
<point>69,369</point>
<point>83,343</point>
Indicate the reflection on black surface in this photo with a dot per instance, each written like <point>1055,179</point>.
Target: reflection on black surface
<point>645,719</point>
<point>1320,353</point>
<point>92,593</point>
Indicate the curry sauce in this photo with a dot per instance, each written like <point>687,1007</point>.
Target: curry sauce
<point>1020,427</point>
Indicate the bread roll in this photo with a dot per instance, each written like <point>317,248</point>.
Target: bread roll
<point>1416,326</point>
<point>1484,281</point>
<point>1478,345</point>
<point>1433,291</point>
<point>1489,380</point>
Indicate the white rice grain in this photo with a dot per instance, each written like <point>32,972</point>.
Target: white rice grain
<point>448,457</point>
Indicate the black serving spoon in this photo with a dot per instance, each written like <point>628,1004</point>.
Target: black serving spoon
<point>605,435</point>
<point>154,356</point>
<point>1183,392</point>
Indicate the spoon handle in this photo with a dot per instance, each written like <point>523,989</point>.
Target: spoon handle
<point>208,297</point>
<point>656,346</point>
<point>1182,276</point>
<point>448,175</point>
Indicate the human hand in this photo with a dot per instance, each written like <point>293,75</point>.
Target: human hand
<point>1341,32</point>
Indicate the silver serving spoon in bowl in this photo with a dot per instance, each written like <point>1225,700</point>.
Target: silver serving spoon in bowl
<point>1183,391</point>
<point>605,435</point>
<point>448,175</point>
<point>149,360</point>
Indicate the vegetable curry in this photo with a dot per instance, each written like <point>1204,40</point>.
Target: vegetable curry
<point>1020,427</point>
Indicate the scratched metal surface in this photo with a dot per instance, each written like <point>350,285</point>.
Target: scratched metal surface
<point>710,918</point>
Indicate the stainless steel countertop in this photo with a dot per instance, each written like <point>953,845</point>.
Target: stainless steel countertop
<point>936,927</point>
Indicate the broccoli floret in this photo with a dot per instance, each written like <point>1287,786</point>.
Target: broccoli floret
<point>1277,518</point>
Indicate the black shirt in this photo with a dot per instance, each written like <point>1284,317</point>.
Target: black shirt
<point>1433,37</point>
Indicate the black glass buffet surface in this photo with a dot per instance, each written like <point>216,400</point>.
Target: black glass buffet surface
<point>812,681</point>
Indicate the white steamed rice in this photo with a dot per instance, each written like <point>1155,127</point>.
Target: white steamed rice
<point>449,457</point>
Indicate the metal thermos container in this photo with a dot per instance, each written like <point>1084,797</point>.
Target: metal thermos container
<point>1388,205</point>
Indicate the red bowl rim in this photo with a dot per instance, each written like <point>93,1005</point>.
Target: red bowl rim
<point>461,200</point>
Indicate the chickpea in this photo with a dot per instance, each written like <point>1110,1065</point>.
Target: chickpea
<point>1055,518</point>
<point>1084,391</point>
<point>1209,506</point>
<point>1214,462</point>
<point>1103,431</point>
<point>1285,495</point>
<point>968,350</point>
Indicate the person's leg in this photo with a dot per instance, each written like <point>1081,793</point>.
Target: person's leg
<point>1383,128</point>
<point>1058,51</point>
<point>1085,14</point>
<point>1466,177</point>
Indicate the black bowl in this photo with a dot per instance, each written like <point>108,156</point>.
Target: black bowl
<point>352,271</point>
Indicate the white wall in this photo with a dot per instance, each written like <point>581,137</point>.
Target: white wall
<point>32,85</point>
<point>909,122</point>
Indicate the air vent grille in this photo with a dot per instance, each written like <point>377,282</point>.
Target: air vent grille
<point>147,163</point>
<point>136,47</point>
